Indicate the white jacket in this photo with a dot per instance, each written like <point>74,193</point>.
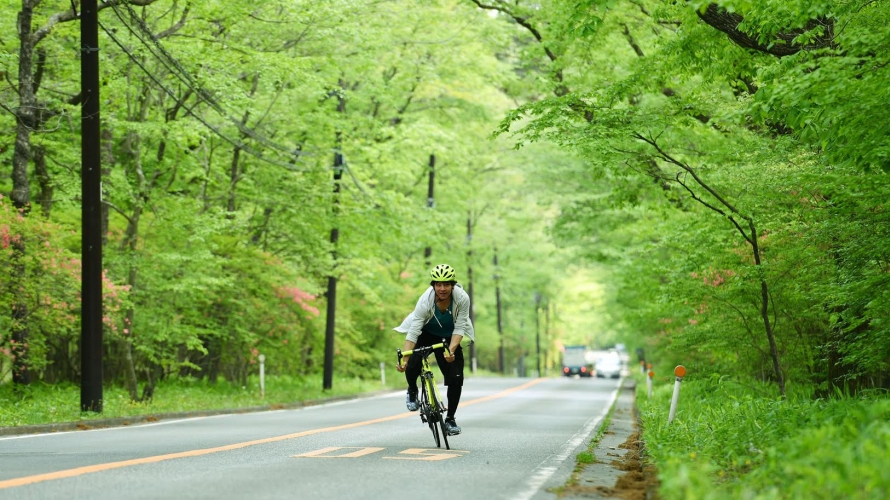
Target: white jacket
<point>423,312</point>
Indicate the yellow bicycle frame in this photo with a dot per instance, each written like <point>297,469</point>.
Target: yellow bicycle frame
<point>430,381</point>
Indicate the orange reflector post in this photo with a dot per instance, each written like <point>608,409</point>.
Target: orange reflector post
<point>680,372</point>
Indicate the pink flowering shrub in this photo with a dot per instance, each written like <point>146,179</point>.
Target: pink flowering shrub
<point>49,289</point>
<point>299,297</point>
<point>712,277</point>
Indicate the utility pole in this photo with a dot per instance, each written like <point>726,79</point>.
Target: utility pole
<point>470,287</point>
<point>547,341</point>
<point>91,213</point>
<point>332,283</point>
<point>430,203</point>
<point>538,330</point>
<point>332,279</point>
<point>497,295</point>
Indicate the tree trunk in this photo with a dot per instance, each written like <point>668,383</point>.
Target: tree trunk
<point>26,112</point>
<point>21,373</point>
<point>107,165</point>
<point>770,335</point>
<point>126,347</point>
<point>734,216</point>
<point>126,344</point>
<point>60,368</point>
<point>235,170</point>
<point>45,197</point>
<point>260,232</point>
<point>21,190</point>
<point>780,44</point>
<point>764,313</point>
<point>129,245</point>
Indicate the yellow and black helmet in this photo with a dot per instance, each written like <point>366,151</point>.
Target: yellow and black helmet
<point>442,272</point>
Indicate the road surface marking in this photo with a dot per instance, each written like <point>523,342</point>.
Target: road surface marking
<point>324,452</point>
<point>502,393</point>
<point>89,469</point>
<point>429,455</point>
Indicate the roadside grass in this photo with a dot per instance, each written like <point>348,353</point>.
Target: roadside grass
<point>734,441</point>
<point>42,403</point>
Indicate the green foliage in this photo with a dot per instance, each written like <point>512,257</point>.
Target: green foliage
<point>635,148</point>
<point>753,130</point>
<point>729,440</point>
<point>221,122</point>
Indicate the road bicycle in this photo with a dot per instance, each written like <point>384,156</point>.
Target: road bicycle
<point>432,409</point>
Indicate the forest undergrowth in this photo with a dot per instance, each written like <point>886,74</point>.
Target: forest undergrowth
<point>741,441</point>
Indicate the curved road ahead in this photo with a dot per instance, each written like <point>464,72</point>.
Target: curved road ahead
<point>520,438</point>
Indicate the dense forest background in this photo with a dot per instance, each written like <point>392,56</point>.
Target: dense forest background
<point>706,181</point>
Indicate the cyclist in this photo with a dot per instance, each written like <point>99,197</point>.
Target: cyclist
<point>442,314</point>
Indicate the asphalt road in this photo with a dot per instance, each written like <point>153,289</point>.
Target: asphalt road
<point>520,438</point>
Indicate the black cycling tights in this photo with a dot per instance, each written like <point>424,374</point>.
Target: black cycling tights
<point>453,399</point>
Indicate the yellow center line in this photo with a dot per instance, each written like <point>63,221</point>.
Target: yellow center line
<point>79,471</point>
<point>502,393</point>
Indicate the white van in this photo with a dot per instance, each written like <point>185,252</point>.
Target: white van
<point>608,366</point>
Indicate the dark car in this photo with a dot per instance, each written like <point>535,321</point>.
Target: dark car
<point>581,371</point>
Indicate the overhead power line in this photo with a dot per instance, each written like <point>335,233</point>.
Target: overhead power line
<point>143,34</point>
<point>148,39</point>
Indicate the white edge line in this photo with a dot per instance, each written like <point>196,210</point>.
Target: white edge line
<point>551,464</point>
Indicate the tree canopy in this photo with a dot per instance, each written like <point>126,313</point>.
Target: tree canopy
<point>704,180</point>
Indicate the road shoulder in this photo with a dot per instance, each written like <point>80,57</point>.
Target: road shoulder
<point>616,472</point>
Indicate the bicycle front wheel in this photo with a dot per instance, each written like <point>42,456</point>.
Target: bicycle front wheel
<point>435,428</point>
<point>438,410</point>
<point>444,434</point>
<point>432,414</point>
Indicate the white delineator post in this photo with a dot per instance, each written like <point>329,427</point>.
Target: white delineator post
<point>383,373</point>
<point>680,372</point>
<point>649,383</point>
<point>262,360</point>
